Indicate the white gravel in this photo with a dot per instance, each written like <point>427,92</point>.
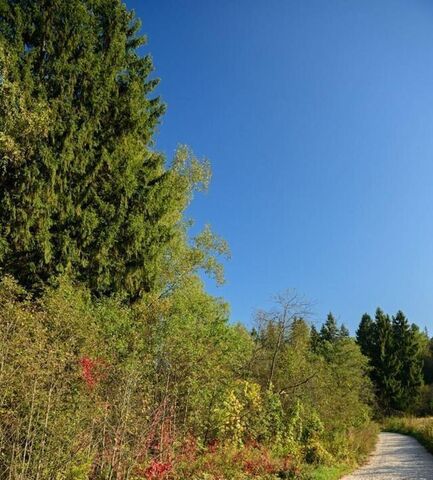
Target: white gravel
<point>396,457</point>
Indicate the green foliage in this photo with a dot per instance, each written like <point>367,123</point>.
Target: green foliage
<point>329,473</point>
<point>329,331</point>
<point>320,379</point>
<point>427,357</point>
<point>43,410</point>
<point>395,350</point>
<point>365,335</point>
<point>344,332</point>
<point>238,416</point>
<point>106,389</point>
<point>81,188</point>
<point>410,355</point>
<point>98,380</point>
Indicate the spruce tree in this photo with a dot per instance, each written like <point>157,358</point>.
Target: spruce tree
<point>386,363</point>
<point>329,331</point>
<point>408,349</point>
<point>395,350</point>
<point>344,331</point>
<point>314,339</point>
<point>365,335</point>
<point>428,360</point>
<point>84,191</point>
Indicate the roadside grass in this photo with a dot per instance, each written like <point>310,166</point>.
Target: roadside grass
<point>419,428</point>
<point>329,473</point>
<point>362,444</point>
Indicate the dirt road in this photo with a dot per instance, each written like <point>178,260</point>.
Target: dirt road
<point>396,457</point>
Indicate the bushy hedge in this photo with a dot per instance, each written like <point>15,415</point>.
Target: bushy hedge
<point>163,389</point>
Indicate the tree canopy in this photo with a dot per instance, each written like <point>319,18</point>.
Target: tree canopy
<point>82,189</point>
<point>395,351</point>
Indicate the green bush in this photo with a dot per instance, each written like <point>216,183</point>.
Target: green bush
<point>96,389</point>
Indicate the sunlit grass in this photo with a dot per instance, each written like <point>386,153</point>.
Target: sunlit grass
<point>329,473</point>
<point>419,428</point>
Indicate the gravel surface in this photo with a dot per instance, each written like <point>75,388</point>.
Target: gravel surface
<point>396,457</point>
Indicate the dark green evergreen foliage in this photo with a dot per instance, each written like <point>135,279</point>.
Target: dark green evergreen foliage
<point>385,362</point>
<point>344,331</point>
<point>365,335</point>
<point>329,331</point>
<point>90,196</point>
<point>395,353</point>
<point>329,339</point>
<point>314,338</point>
<point>408,350</point>
<point>428,360</point>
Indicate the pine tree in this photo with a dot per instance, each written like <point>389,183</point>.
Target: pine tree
<point>85,193</point>
<point>395,350</point>
<point>376,340</point>
<point>409,351</point>
<point>314,339</point>
<point>386,363</point>
<point>428,360</point>
<point>329,331</point>
<point>344,331</point>
<point>365,335</point>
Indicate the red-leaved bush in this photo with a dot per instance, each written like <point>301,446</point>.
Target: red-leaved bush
<point>157,470</point>
<point>88,371</point>
<point>91,371</point>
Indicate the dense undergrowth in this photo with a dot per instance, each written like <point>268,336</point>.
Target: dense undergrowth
<point>168,389</point>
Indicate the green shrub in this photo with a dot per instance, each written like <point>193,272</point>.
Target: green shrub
<point>95,389</point>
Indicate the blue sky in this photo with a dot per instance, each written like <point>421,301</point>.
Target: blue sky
<point>317,117</point>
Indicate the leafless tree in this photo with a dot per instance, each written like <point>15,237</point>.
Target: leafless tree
<point>289,306</point>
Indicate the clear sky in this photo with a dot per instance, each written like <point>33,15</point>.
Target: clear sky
<point>317,117</point>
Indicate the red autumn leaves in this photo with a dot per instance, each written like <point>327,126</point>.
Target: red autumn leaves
<point>92,371</point>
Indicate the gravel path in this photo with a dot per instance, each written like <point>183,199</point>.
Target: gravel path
<point>396,457</point>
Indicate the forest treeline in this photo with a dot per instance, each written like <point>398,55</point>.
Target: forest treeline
<point>401,363</point>
<point>115,363</point>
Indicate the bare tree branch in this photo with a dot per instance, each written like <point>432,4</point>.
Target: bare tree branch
<point>291,387</point>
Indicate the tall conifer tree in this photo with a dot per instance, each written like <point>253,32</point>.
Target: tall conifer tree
<point>86,192</point>
<point>344,331</point>
<point>365,335</point>
<point>395,351</point>
<point>329,331</point>
<point>407,348</point>
<point>385,361</point>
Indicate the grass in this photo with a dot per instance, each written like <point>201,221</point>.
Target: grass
<point>329,473</point>
<point>362,444</point>
<point>419,428</point>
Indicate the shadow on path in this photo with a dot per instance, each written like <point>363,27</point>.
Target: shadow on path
<point>396,457</point>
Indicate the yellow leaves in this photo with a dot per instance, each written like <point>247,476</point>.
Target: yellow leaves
<point>196,172</point>
<point>252,395</point>
<point>240,409</point>
<point>228,418</point>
